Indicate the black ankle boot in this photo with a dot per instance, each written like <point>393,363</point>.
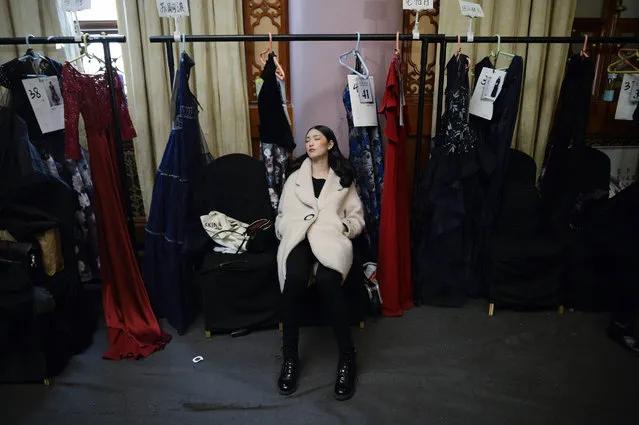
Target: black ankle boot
<point>290,372</point>
<point>623,334</point>
<point>346,376</point>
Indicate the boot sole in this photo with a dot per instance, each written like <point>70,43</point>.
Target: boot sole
<point>344,397</point>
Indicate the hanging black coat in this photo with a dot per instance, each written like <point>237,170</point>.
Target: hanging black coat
<point>274,126</point>
<point>572,170</point>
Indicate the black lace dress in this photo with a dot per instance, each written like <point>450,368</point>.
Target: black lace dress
<point>447,201</point>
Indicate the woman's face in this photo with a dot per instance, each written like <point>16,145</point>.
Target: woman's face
<point>317,146</point>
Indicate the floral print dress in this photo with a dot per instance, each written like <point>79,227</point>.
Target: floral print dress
<point>367,158</point>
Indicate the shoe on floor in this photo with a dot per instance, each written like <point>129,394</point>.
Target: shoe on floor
<point>346,376</point>
<point>289,375</point>
<point>622,334</point>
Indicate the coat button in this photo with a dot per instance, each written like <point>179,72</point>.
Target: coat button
<point>309,217</point>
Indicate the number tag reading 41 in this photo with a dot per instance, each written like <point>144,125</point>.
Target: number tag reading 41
<point>45,97</point>
<point>364,90</point>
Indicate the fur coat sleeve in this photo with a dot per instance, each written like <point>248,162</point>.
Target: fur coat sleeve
<point>328,222</point>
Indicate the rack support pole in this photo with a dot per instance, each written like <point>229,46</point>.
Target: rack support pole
<point>115,111</point>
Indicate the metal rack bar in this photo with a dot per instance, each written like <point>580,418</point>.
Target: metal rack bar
<point>62,40</point>
<point>420,109</point>
<point>288,37</point>
<point>440,90</point>
<point>171,61</point>
<point>440,39</point>
<point>431,38</point>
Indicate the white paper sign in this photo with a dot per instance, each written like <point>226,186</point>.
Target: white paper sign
<point>472,10</point>
<point>625,106</point>
<point>75,5</point>
<point>46,100</point>
<point>172,8</point>
<point>364,114</point>
<point>491,81</point>
<point>418,4</point>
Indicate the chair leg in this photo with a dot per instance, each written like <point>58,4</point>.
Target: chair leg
<point>48,382</point>
<point>561,309</point>
<point>361,324</point>
<point>207,334</point>
<point>281,327</point>
<point>491,309</point>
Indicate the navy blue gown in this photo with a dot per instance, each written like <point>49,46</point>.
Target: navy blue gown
<point>173,223</point>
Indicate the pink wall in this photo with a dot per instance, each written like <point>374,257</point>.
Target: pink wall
<point>317,79</point>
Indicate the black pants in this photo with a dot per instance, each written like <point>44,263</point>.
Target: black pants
<point>329,285</point>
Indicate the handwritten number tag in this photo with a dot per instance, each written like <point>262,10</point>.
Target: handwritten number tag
<point>364,114</point>
<point>45,98</point>
<point>364,91</point>
<point>634,92</point>
<point>628,97</point>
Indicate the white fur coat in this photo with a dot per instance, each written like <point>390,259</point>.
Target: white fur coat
<point>320,220</point>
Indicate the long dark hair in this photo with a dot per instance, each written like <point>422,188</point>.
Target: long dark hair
<point>336,161</point>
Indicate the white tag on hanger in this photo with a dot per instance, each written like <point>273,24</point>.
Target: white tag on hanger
<point>75,5</point>
<point>472,10</point>
<point>364,91</point>
<point>172,8</point>
<point>364,114</point>
<point>419,4</point>
<point>625,105</point>
<point>484,108</point>
<point>493,85</point>
<point>45,97</point>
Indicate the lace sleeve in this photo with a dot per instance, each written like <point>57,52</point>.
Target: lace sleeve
<point>127,129</point>
<point>71,94</point>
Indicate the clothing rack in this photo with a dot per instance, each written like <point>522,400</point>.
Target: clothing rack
<point>424,39</point>
<point>105,40</point>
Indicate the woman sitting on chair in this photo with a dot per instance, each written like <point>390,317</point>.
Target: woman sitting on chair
<point>319,212</point>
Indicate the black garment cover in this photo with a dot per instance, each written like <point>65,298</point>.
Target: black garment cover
<point>497,134</point>
<point>274,126</point>
<point>569,126</point>
<point>611,234</point>
<point>495,138</point>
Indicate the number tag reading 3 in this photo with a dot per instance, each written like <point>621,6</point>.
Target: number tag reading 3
<point>628,97</point>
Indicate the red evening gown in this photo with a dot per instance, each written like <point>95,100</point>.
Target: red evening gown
<point>393,263</point>
<point>133,329</point>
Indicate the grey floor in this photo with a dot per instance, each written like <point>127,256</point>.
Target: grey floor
<point>432,366</point>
